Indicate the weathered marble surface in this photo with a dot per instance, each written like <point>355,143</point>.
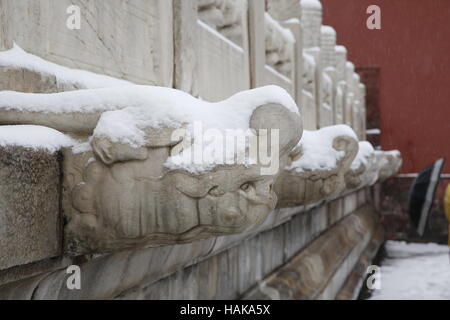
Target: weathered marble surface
<point>225,16</point>
<point>223,67</point>
<point>320,269</point>
<point>109,275</point>
<point>131,40</point>
<point>309,84</point>
<point>280,44</point>
<point>30,221</point>
<point>283,10</point>
<point>355,280</point>
<point>311,19</point>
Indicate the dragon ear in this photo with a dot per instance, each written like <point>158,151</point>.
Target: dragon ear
<point>110,151</point>
<point>350,148</point>
<point>276,117</point>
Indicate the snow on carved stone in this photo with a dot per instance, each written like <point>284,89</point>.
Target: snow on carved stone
<point>34,137</point>
<point>17,58</point>
<point>317,149</point>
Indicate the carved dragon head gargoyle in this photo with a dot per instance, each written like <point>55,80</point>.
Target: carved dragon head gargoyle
<point>364,169</point>
<point>131,192</point>
<point>317,166</point>
<point>390,163</point>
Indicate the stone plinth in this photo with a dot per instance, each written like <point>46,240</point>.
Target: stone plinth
<point>29,206</point>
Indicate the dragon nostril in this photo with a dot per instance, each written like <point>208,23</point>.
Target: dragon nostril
<point>231,215</point>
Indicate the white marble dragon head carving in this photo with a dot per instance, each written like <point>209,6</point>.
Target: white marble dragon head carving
<point>317,167</point>
<point>119,195</point>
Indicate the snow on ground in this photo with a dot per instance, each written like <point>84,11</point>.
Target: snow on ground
<point>34,137</point>
<point>16,57</point>
<point>414,271</point>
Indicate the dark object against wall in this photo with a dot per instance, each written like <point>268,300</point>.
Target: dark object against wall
<point>422,195</point>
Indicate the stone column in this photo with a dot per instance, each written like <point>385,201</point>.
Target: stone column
<point>311,19</point>
<point>340,60</point>
<point>349,94</point>
<point>257,42</point>
<point>327,85</point>
<point>185,25</point>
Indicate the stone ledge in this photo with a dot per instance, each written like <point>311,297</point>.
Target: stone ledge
<point>110,275</point>
<point>354,282</point>
<point>320,269</point>
<point>30,226</point>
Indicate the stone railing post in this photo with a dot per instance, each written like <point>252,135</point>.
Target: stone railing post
<point>341,58</point>
<point>298,67</point>
<point>327,83</point>
<point>256,10</point>
<point>311,21</point>
<point>288,13</point>
<point>185,46</point>
<point>349,94</point>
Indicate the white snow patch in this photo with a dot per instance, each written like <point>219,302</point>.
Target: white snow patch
<point>311,4</point>
<point>394,153</point>
<point>317,149</point>
<point>414,271</point>
<point>160,103</point>
<point>18,58</point>
<point>373,131</point>
<point>155,107</point>
<point>292,21</point>
<point>34,137</point>
<point>340,49</point>
<point>127,112</point>
<point>328,30</point>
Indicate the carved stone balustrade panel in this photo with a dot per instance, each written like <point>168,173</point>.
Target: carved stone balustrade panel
<point>280,44</point>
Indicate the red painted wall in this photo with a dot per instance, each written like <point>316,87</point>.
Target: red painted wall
<point>413,51</point>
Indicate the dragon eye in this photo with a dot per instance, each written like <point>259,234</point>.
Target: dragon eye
<point>214,191</point>
<point>245,186</point>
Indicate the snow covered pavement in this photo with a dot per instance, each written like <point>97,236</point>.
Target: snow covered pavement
<point>414,271</point>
